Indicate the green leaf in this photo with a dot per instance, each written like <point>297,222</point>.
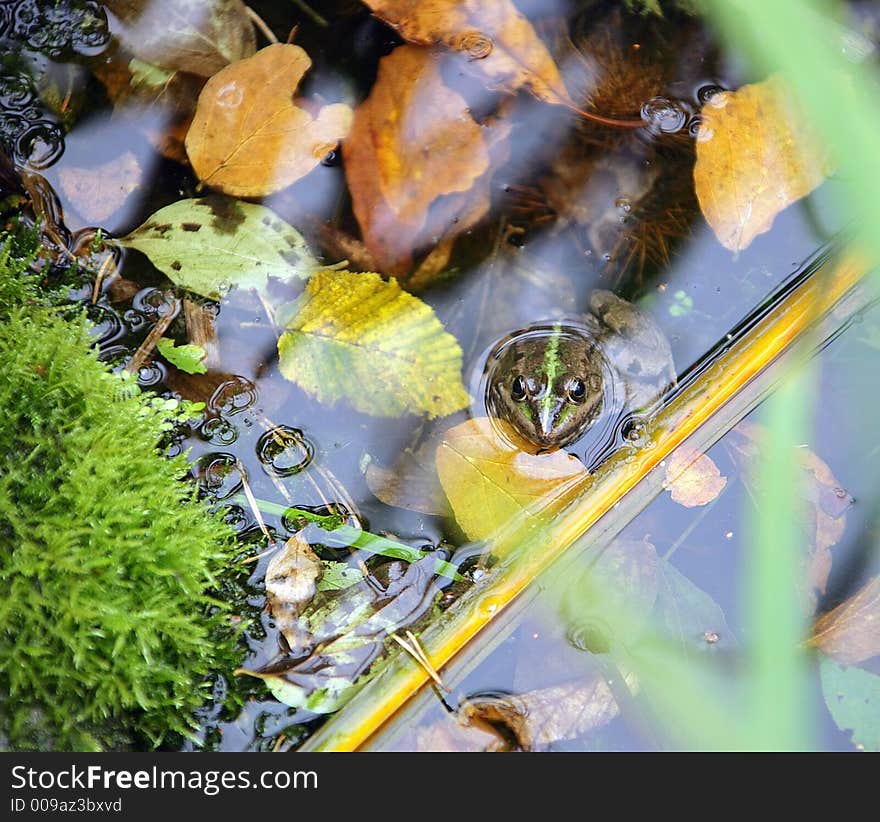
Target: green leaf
<point>185,357</point>
<point>338,575</point>
<point>360,338</point>
<point>853,698</point>
<point>214,243</point>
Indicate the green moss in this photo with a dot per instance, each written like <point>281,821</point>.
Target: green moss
<point>107,631</point>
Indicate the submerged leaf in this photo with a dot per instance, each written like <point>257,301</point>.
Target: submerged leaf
<point>248,137</point>
<point>212,244</point>
<point>853,699</point>
<point>187,358</point>
<point>180,35</point>
<point>851,632</point>
<point>360,338</point>
<point>692,478</point>
<point>755,156</point>
<point>499,42</point>
<point>416,162</point>
<point>97,193</point>
<point>490,482</point>
<point>291,578</point>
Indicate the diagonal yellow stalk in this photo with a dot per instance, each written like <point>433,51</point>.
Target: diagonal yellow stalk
<point>529,554</point>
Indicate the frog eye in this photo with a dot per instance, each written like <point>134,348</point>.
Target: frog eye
<point>518,389</point>
<point>577,391</point>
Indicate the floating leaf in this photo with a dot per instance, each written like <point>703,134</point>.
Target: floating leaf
<point>187,358</point>
<point>851,632</point>
<point>692,478</point>
<point>412,142</point>
<point>248,137</point>
<point>348,633</point>
<point>490,482</point>
<point>180,35</point>
<point>97,193</point>
<point>853,699</point>
<point>358,337</point>
<point>755,156</point>
<point>291,578</point>
<point>214,243</point>
<point>499,42</point>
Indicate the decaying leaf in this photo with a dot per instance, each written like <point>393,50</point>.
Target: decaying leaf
<point>756,155</point>
<point>827,501</point>
<point>499,42</point>
<point>348,630</point>
<point>187,358</point>
<point>364,339</point>
<point>181,35</point>
<point>291,580</point>
<point>248,137</point>
<point>98,193</point>
<point>412,483</point>
<point>416,162</point>
<point>853,699</point>
<point>490,482</point>
<point>850,633</point>
<point>692,478</point>
<point>211,244</point>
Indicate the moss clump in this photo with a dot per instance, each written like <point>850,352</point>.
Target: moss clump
<point>107,629</point>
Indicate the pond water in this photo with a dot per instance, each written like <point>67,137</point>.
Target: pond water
<point>571,205</point>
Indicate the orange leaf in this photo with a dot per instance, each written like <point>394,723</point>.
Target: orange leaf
<point>500,43</point>
<point>851,631</point>
<point>248,137</point>
<point>491,483</point>
<point>692,478</point>
<point>755,157</point>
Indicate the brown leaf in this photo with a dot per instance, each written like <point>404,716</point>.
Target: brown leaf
<point>291,579</point>
<point>755,156</point>
<point>498,40</point>
<point>692,478</point>
<point>98,193</point>
<point>248,137</point>
<point>851,631</point>
<point>414,158</point>
<point>181,35</point>
<point>490,482</point>
<point>411,484</point>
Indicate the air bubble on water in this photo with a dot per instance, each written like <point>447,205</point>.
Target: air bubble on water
<point>284,451</point>
<point>664,116</point>
<point>232,397</point>
<point>219,431</point>
<point>707,92</point>
<point>218,475</point>
<point>40,146</point>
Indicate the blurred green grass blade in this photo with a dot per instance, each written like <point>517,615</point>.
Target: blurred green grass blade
<point>779,716</point>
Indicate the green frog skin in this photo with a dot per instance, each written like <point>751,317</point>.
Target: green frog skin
<point>551,383</point>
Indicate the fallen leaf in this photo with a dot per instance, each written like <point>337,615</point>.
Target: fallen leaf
<point>853,699</point>
<point>248,137</point>
<point>211,244</point>
<point>97,193</point>
<point>412,483</point>
<point>181,35</point>
<point>291,580</point>
<point>348,632</point>
<point>851,632</point>
<point>414,159</point>
<point>756,155</point>
<point>339,575</point>
<point>692,478</point>
<point>490,482</point>
<point>187,358</point>
<point>498,41</point>
<point>364,339</point>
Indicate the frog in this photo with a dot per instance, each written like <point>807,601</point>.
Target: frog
<point>552,382</point>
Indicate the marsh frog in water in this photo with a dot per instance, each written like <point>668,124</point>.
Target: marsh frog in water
<point>553,382</point>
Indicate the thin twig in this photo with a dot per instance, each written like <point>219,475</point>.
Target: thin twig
<point>252,501</point>
<point>415,650</point>
<point>260,23</point>
<point>146,347</point>
<point>310,12</point>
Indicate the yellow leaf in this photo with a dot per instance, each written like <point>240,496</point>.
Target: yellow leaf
<point>499,42</point>
<point>755,156</point>
<point>358,337</point>
<point>490,482</point>
<point>851,631</point>
<point>248,137</point>
<point>692,478</point>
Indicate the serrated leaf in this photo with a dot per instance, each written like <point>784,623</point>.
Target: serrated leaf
<point>249,137</point>
<point>212,244</point>
<point>187,358</point>
<point>853,698</point>
<point>491,482</point>
<point>363,339</point>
